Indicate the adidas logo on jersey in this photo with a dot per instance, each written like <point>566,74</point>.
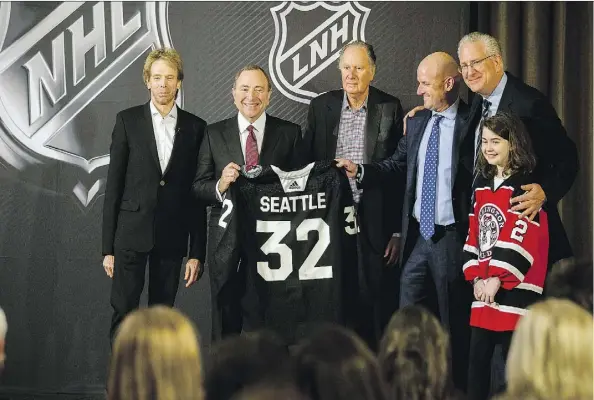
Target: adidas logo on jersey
<point>294,185</point>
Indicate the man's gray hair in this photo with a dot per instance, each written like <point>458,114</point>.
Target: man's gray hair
<point>491,44</point>
<point>3,325</point>
<point>359,43</point>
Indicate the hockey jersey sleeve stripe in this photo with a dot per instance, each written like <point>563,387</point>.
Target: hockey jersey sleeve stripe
<point>530,286</point>
<point>517,248</point>
<point>508,267</point>
<point>471,249</point>
<point>470,263</point>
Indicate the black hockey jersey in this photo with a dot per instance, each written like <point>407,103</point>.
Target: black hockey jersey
<point>297,232</point>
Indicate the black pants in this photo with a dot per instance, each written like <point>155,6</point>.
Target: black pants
<point>227,312</point>
<point>128,282</point>
<point>482,347</point>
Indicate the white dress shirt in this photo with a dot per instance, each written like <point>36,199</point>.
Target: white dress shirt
<point>243,124</point>
<point>164,128</point>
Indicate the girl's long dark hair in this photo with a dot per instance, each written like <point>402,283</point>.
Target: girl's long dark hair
<point>521,154</point>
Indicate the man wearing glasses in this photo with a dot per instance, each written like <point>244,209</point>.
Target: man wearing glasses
<point>483,71</point>
<point>557,164</point>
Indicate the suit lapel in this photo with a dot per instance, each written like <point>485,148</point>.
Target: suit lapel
<point>233,141</point>
<point>146,125</point>
<point>460,131</point>
<point>332,123</point>
<point>415,137</point>
<point>374,115</point>
<point>507,96</point>
<point>271,138</point>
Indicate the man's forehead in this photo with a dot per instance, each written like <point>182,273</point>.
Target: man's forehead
<point>252,76</point>
<point>475,48</point>
<point>162,66</point>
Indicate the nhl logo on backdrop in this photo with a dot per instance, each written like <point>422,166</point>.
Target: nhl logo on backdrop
<point>307,40</point>
<point>50,74</point>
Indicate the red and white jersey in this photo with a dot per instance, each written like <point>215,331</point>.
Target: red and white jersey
<point>500,244</point>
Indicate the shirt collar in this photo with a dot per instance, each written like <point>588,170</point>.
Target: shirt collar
<point>450,112</point>
<point>172,112</point>
<point>346,105</point>
<point>257,124</point>
<point>498,92</point>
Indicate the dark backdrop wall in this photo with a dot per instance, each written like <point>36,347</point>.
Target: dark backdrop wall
<point>65,71</point>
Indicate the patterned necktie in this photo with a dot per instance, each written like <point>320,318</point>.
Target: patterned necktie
<point>477,145</point>
<point>251,149</point>
<point>429,191</point>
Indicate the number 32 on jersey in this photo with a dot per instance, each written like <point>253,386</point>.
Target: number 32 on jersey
<point>279,230</point>
<point>310,268</point>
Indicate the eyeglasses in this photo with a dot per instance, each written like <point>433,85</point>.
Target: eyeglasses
<point>473,64</point>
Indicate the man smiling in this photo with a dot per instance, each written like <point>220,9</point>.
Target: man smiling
<point>148,211</point>
<point>250,138</point>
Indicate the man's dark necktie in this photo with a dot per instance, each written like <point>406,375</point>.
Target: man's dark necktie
<point>477,145</point>
<point>429,191</point>
<point>251,149</point>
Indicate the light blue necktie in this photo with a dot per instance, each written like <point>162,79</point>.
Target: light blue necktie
<point>429,192</point>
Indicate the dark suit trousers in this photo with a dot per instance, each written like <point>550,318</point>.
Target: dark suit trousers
<point>128,282</point>
<point>439,260</point>
<point>226,312</point>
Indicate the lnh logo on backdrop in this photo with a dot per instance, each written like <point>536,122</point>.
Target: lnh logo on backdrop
<point>50,74</point>
<point>307,41</point>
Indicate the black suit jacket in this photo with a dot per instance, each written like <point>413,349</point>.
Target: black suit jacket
<point>222,145</point>
<point>405,159</point>
<point>143,207</point>
<point>556,153</point>
<point>379,206</point>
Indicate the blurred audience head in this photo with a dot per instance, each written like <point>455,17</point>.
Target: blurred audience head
<point>414,356</point>
<point>335,364</point>
<point>572,282</point>
<point>551,351</point>
<point>156,356</point>
<point>244,361</point>
<point>3,330</point>
<point>271,391</point>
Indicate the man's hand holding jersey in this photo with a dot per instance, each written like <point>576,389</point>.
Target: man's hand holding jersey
<point>228,176</point>
<point>349,166</point>
<point>393,247</point>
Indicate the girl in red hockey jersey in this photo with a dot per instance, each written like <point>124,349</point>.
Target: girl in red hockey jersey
<point>505,256</point>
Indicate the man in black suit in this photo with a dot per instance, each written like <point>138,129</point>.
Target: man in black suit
<point>364,124</point>
<point>251,137</point>
<point>149,211</point>
<point>557,159</point>
<point>436,200</point>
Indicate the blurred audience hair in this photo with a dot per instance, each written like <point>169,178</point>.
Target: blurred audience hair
<point>550,356</point>
<point>571,281</point>
<point>243,361</point>
<point>414,356</point>
<point>156,356</point>
<point>335,364</point>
